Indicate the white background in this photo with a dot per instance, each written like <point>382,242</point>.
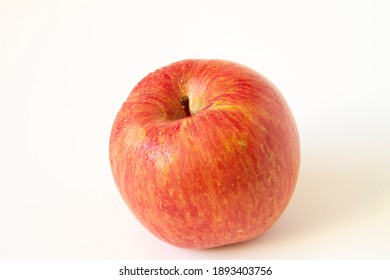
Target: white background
<point>67,66</point>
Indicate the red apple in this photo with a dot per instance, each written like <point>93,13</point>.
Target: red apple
<point>216,171</point>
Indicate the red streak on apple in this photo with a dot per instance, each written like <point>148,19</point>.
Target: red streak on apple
<point>221,175</point>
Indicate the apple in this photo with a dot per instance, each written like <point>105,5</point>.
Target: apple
<point>205,153</point>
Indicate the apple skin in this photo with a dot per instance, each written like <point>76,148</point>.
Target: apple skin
<point>224,174</point>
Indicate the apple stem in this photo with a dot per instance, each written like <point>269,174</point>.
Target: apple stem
<point>185,104</point>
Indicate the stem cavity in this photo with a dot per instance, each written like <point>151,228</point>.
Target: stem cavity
<point>185,104</point>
